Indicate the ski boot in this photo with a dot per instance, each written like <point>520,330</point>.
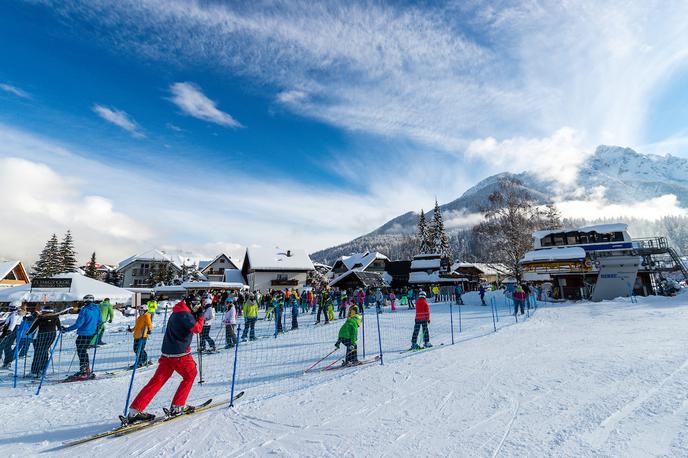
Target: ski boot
<point>175,411</point>
<point>135,416</point>
<point>428,345</point>
<point>415,346</point>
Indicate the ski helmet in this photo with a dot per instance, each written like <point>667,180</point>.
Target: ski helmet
<point>89,298</point>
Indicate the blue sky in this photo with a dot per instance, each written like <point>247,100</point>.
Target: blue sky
<point>205,126</point>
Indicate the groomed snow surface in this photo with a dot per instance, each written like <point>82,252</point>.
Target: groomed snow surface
<point>606,379</point>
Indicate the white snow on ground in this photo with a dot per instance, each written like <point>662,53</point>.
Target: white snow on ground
<point>608,379</point>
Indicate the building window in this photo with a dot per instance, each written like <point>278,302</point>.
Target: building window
<point>282,277</point>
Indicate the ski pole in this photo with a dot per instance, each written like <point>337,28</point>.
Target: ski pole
<point>379,339</point>
<point>52,352</point>
<point>321,360</point>
<point>133,374</point>
<point>451,320</point>
<point>337,360</point>
<point>234,370</point>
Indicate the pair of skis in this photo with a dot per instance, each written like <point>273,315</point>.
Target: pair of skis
<point>333,366</point>
<point>125,429</point>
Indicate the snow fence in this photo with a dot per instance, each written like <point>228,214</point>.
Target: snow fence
<point>286,353</point>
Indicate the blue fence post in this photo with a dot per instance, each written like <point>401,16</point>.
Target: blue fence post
<point>234,370</point>
<point>459,305</point>
<point>274,311</point>
<point>50,359</point>
<point>494,323</point>
<point>451,320</point>
<point>17,339</point>
<point>95,353</point>
<point>379,338</point>
<point>496,309</point>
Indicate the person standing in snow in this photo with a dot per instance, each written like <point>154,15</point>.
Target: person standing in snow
<point>294,312</point>
<point>348,335</point>
<point>528,293</point>
<point>8,334</point>
<point>519,300</point>
<point>379,300</point>
<point>458,291</point>
<point>230,322</point>
<point>208,316</point>
<point>481,291</point>
<point>45,326</point>
<point>410,296</point>
<point>436,293</point>
<point>250,318</point>
<point>184,322</point>
<point>322,307</point>
<point>87,324</point>
<point>107,313</point>
<point>142,327</point>
<point>422,320</point>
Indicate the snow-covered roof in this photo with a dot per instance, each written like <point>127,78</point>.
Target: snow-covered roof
<point>234,276</point>
<point>421,264</point>
<point>150,255</point>
<point>555,254</point>
<point>202,265</point>
<point>8,266</point>
<point>491,269</point>
<point>81,286</point>
<point>361,261</point>
<point>599,228</point>
<point>271,259</point>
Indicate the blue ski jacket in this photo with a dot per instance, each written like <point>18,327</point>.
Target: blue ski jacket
<point>88,320</point>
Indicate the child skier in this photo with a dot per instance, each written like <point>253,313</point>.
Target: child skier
<point>422,319</point>
<point>403,301</point>
<point>230,321</point>
<point>184,322</point>
<point>142,327</point>
<point>348,335</point>
<point>294,313</point>
<point>392,300</point>
<point>208,316</point>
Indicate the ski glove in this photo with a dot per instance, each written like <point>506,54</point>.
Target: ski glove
<point>337,344</point>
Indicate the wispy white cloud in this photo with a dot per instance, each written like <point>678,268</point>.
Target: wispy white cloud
<point>191,100</point>
<point>442,75</point>
<point>119,118</point>
<point>15,90</point>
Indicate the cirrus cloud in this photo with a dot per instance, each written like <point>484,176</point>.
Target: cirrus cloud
<point>193,102</point>
<point>119,118</point>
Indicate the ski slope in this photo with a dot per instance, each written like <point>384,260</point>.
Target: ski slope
<point>583,379</point>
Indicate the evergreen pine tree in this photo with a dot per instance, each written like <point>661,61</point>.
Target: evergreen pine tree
<point>440,240</point>
<point>42,266</point>
<point>91,271</point>
<point>67,254</point>
<point>53,260</point>
<point>423,234</point>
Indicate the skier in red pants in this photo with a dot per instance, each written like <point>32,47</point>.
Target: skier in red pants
<point>184,322</point>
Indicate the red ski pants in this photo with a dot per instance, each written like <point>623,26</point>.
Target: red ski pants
<point>184,366</point>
